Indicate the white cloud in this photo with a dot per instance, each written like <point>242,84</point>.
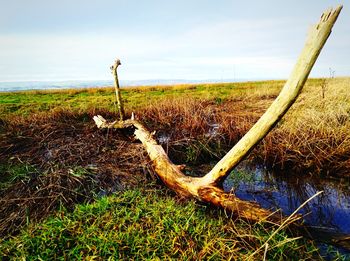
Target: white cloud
<point>231,48</point>
<point>74,56</point>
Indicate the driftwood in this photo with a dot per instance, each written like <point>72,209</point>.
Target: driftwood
<point>206,188</point>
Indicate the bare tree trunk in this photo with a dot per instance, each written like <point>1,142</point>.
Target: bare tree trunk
<point>205,188</point>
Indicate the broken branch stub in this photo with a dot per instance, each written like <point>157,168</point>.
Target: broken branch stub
<point>117,88</point>
<point>205,188</point>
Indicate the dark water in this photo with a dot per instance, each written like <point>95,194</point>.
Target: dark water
<point>328,213</point>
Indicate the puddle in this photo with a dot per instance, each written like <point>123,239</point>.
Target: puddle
<point>329,212</point>
<point>163,138</point>
<point>213,130</point>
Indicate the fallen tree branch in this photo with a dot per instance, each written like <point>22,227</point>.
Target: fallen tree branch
<point>186,186</point>
<point>205,188</point>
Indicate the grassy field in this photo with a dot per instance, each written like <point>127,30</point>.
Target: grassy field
<point>69,190</point>
<point>149,224</point>
<point>31,102</point>
<point>313,137</point>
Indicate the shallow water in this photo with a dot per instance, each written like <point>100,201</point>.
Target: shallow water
<point>329,212</point>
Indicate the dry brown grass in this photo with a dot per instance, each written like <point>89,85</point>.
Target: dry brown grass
<point>73,162</point>
<point>313,137</point>
<point>200,130</point>
<point>68,151</point>
<point>146,88</point>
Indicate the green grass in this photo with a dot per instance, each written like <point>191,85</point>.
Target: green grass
<point>238,176</point>
<point>29,102</point>
<point>11,173</point>
<point>147,224</point>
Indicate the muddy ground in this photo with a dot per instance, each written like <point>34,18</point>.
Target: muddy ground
<point>66,161</point>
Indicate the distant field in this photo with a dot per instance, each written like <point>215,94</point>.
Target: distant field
<point>28,102</point>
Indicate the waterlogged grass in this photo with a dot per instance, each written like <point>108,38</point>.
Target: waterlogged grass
<point>147,224</point>
<point>240,176</point>
<point>11,173</point>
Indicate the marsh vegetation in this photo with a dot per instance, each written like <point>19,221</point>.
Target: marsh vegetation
<point>58,169</point>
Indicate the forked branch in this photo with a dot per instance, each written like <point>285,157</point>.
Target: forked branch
<point>205,188</point>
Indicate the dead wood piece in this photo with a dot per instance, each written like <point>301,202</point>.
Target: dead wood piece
<point>241,208</point>
<point>205,188</point>
<point>316,39</point>
<point>186,186</point>
<point>114,68</point>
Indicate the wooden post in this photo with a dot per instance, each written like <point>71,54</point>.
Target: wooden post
<point>117,89</point>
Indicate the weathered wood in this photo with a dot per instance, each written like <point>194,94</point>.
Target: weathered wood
<point>316,39</point>
<point>117,89</point>
<point>205,188</point>
<point>186,186</point>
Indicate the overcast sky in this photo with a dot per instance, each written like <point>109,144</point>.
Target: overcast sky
<point>161,39</point>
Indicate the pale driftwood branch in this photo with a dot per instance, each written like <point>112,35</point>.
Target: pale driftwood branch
<point>205,188</point>
<point>114,68</point>
<point>317,37</point>
<point>186,186</point>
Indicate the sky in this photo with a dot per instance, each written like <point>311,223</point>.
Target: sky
<point>163,39</point>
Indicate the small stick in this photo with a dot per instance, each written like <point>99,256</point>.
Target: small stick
<point>117,89</point>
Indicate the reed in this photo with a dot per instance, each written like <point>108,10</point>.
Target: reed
<point>150,224</point>
<point>313,136</point>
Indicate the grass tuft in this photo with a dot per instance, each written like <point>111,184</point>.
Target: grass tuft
<point>144,224</point>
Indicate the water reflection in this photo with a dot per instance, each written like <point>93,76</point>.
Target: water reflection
<point>329,211</point>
